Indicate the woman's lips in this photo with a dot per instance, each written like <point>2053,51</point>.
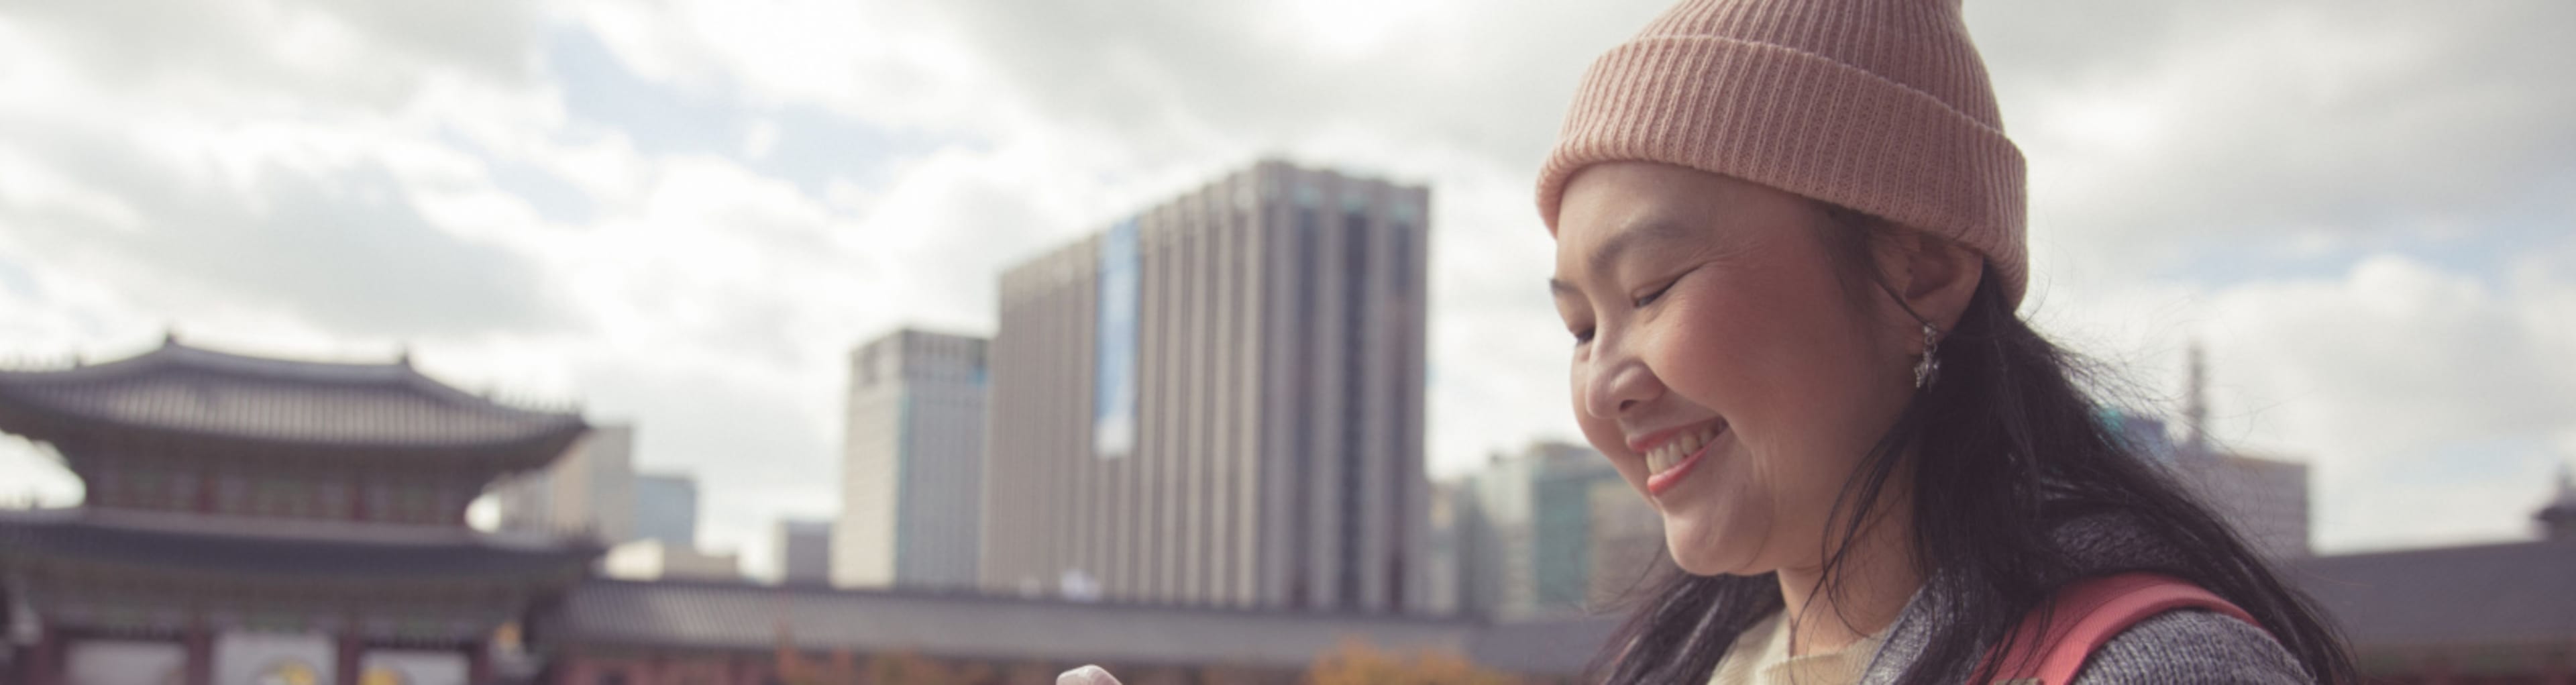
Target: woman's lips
<point>1666,478</point>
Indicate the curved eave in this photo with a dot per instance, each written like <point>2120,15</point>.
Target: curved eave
<point>77,549</point>
<point>33,404</point>
<point>73,433</point>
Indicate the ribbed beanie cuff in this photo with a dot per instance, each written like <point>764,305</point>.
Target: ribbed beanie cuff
<point>1777,93</point>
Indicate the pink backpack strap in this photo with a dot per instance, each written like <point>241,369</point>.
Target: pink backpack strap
<point>2090,612</point>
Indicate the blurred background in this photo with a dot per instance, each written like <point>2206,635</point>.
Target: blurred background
<point>740,342</point>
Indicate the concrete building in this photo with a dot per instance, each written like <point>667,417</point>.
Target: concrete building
<point>1219,401</point>
<point>1441,560</point>
<point>912,463</point>
<point>666,509</point>
<point>2266,499</point>
<point>1625,545</point>
<point>590,491</point>
<point>805,553</point>
<point>1551,530</point>
<point>1497,564</point>
<point>654,559</point>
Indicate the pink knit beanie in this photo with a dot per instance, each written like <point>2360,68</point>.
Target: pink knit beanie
<point>1881,106</point>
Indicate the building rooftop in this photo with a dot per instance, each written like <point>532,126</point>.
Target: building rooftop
<point>2501,594</point>
<point>735,616</point>
<point>1556,646</point>
<point>200,393</point>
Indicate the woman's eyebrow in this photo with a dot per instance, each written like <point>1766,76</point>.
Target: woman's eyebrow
<point>1636,235</point>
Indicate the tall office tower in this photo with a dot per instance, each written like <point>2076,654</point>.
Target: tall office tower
<point>590,491</point>
<point>1219,402</point>
<point>805,553</point>
<point>666,509</point>
<point>912,463</point>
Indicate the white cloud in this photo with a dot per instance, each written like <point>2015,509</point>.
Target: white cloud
<point>2320,189</point>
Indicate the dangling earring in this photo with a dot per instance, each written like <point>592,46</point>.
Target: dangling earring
<point>1928,368</point>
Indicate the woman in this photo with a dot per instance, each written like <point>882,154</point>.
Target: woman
<point>1789,250</point>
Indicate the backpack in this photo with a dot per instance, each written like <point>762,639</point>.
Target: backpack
<point>2089,612</point>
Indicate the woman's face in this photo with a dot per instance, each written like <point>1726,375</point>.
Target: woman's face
<point>1718,360</point>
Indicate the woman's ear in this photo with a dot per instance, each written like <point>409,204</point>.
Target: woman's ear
<point>1933,275</point>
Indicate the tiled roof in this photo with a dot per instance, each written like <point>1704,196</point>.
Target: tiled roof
<point>731,616</point>
<point>1561,646</point>
<point>2517,593</point>
<point>252,548</point>
<point>206,393</point>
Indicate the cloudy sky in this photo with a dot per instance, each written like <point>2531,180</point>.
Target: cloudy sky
<point>684,213</point>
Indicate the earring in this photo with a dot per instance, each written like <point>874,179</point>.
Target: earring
<point>1928,368</point>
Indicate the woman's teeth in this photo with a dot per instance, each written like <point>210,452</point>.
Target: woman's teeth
<point>1671,453</point>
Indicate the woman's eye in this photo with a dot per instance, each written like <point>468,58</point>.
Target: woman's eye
<point>1582,335</point>
<point>1651,297</point>
<point>1658,293</point>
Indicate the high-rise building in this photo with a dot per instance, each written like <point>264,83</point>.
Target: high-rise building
<point>1550,530</point>
<point>912,463</point>
<point>590,491</point>
<point>1496,563</point>
<point>805,553</point>
<point>654,559</point>
<point>1626,543</point>
<point>1441,570</point>
<point>666,509</point>
<point>1219,401</point>
<point>2265,499</point>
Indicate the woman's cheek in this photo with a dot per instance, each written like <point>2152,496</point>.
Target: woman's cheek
<point>1696,357</point>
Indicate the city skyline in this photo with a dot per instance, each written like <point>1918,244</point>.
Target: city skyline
<point>683,217</point>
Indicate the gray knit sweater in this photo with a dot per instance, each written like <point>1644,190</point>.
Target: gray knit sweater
<point>2176,647</point>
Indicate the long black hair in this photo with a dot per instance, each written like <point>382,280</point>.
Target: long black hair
<point>2008,446</point>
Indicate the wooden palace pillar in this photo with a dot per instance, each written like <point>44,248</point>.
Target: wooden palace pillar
<point>45,661</point>
<point>197,666</point>
<point>348,654</point>
<point>478,662</point>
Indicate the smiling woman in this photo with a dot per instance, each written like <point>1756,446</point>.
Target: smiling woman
<point>1790,245</point>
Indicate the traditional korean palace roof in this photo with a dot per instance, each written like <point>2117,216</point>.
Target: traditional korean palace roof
<point>2488,596</point>
<point>2501,595</point>
<point>198,393</point>
<point>274,551</point>
<point>691,615</point>
<point>1561,645</point>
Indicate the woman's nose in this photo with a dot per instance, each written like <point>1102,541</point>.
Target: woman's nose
<point>1617,383</point>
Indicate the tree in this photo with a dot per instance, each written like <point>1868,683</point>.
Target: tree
<point>907,668</point>
<point>1357,663</point>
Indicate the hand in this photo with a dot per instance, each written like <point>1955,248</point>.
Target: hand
<point>1087,675</point>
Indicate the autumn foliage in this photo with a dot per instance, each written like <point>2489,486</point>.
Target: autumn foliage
<point>1352,663</point>
<point>890,668</point>
<point>1356,663</point>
